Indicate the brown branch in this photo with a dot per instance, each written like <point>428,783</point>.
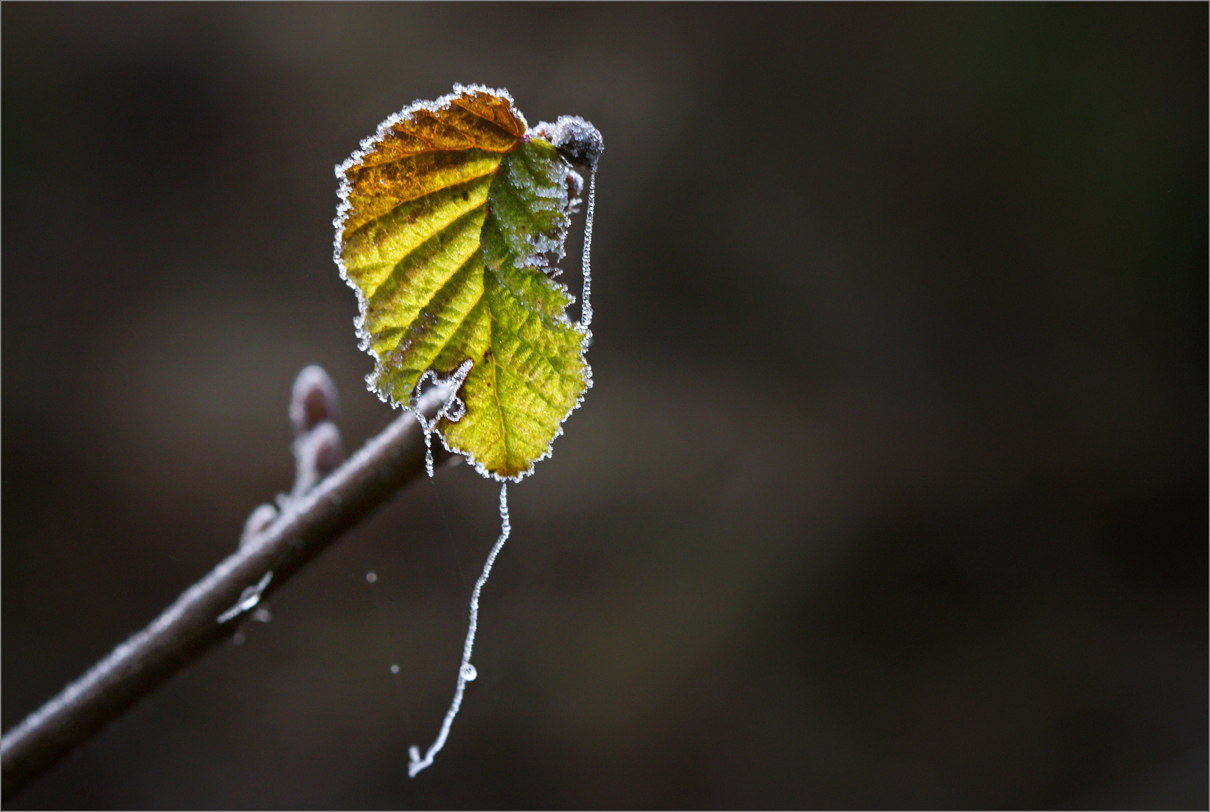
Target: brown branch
<point>191,626</point>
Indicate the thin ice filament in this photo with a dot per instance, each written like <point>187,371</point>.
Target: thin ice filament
<point>466,671</point>
<point>586,308</point>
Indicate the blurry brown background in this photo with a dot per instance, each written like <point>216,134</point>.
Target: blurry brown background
<point>892,489</point>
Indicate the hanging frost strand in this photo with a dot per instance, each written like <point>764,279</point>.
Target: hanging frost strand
<point>453,408</point>
<point>586,308</point>
<point>466,671</point>
<point>581,144</point>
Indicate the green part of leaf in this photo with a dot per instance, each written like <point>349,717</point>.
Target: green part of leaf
<point>460,272</point>
<point>532,372</point>
<point>528,207</point>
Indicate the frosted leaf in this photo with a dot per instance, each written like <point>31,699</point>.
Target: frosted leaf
<point>451,217</point>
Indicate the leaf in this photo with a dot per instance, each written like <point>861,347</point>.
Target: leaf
<point>448,216</point>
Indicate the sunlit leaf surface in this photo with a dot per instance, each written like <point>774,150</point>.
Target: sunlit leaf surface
<point>450,216</point>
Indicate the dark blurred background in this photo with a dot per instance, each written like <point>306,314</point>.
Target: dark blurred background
<point>892,489</point>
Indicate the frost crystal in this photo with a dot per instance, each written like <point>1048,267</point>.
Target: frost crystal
<point>248,599</point>
<point>453,409</point>
<point>466,672</point>
<point>586,308</point>
<point>580,143</point>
